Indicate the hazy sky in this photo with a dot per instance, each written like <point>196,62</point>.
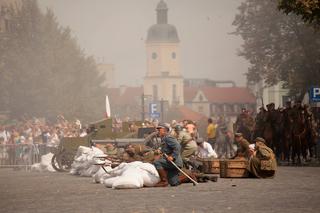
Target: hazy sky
<point>115,30</point>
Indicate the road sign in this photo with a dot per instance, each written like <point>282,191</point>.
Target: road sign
<point>155,115</point>
<point>153,111</point>
<point>153,108</point>
<point>315,94</point>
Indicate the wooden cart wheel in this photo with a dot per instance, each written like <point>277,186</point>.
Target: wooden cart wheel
<point>62,162</point>
<point>55,163</point>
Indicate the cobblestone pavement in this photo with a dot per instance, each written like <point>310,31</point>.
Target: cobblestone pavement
<point>294,189</point>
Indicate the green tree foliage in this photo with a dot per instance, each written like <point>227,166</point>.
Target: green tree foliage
<point>43,70</point>
<point>278,47</point>
<point>309,10</point>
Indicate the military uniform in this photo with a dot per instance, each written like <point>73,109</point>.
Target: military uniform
<point>112,151</point>
<point>243,150</point>
<point>263,164</point>
<point>135,152</point>
<point>170,147</point>
<point>188,145</point>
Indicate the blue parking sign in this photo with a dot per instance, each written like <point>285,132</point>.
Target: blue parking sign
<point>153,111</point>
<point>315,94</point>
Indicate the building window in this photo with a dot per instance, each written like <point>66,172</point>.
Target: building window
<point>200,109</point>
<point>174,92</point>
<point>173,55</point>
<point>155,92</point>
<point>154,56</point>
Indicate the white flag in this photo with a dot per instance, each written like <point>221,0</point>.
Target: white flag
<point>108,109</point>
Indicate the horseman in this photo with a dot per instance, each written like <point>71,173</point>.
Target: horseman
<point>287,133</point>
<point>259,121</point>
<point>245,124</point>
<point>299,132</point>
<point>270,125</point>
<point>310,128</point>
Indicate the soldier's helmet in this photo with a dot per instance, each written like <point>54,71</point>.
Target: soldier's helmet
<point>259,139</point>
<point>164,126</point>
<point>178,128</point>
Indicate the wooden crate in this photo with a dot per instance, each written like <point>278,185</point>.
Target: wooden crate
<point>235,168</point>
<point>210,166</point>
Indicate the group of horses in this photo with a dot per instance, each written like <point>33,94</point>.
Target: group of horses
<point>290,132</point>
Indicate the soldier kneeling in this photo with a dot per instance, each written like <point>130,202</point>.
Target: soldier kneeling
<point>262,163</point>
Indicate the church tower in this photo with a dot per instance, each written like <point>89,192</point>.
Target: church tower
<point>163,80</point>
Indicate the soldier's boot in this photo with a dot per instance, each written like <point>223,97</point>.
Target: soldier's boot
<point>185,179</point>
<point>163,178</point>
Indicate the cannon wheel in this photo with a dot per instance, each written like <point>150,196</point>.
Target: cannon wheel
<point>61,162</point>
<point>55,163</point>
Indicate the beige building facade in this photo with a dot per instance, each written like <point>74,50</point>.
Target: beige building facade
<point>163,80</point>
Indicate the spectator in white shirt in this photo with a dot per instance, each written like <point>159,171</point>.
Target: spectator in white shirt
<point>4,134</point>
<point>205,149</point>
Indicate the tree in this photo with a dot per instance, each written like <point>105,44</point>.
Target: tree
<point>43,70</point>
<point>278,47</point>
<point>309,10</point>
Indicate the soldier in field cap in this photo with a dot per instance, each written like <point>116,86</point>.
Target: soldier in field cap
<point>243,146</point>
<point>171,149</point>
<point>263,163</point>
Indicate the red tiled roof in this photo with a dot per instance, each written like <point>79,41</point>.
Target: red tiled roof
<point>213,94</point>
<point>224,94</point>
<point>190,93</point>
<point>185,113</point>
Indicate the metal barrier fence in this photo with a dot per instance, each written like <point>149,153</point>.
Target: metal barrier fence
<point>20,155</point>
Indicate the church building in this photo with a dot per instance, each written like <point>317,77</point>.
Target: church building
<point>163,80</point>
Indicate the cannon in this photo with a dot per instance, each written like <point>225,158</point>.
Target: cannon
<point>100,132</point>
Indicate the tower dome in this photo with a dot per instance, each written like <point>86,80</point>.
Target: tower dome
<point>162,32</point>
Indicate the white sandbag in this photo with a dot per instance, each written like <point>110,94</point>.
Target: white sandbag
<point>45,163</point>
<point>131,178</point>
<point>36,167</point>
<point>84,161</point>
<point>149,168</point>
<point>149,179</point>
<point>97,177</point>
<point>89,171</point>
<point>108,182</point>
<point>74,171</point>
<point>83,150</point>
<point>117,171</point>
<point>149,174</point>
<point>97,151</point>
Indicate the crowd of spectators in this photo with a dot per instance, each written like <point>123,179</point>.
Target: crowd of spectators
<point>21,140</point>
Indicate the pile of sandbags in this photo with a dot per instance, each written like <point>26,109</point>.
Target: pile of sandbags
<point>44,165</point>
<point>131,176</point>
<point>85,160</point>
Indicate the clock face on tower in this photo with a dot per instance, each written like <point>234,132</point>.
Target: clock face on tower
<point>173,55</point>
<point>154,56</point>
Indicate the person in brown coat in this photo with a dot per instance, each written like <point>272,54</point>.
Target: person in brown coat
<point>263,163</point>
